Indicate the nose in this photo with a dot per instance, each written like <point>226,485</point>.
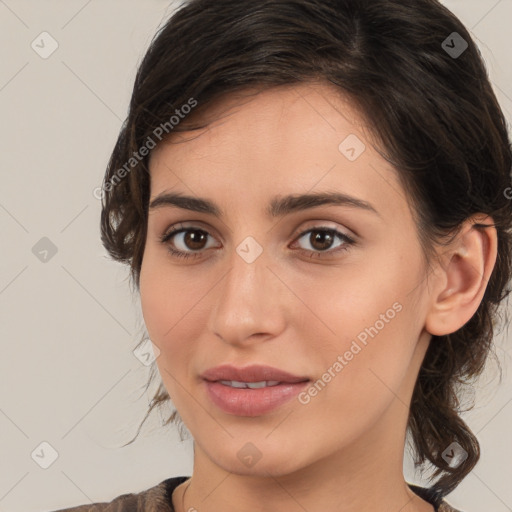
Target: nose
<point>250,301</point>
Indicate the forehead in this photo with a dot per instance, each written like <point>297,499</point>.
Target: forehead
<point>310,102</point>
<point>286,139</point>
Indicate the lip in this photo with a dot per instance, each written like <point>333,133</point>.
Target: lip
<point>252,373</point>
<point>251,402</point>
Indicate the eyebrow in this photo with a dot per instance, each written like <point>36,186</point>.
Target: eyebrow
<point>278,206</point>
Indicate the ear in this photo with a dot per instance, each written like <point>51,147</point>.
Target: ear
<point>462,277</point>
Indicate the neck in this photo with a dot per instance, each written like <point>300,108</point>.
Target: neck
<point>364,476</point>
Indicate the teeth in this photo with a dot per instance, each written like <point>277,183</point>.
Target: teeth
<point>236,384</point>
<point>251,385</point>
<point>262,384</point>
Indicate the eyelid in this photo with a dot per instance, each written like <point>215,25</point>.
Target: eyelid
<point>312,224</point>
<point>321,224</point>
<point>184,225</point>
<point>347,240</point>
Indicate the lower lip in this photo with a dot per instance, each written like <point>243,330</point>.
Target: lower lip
<point>252,402</point>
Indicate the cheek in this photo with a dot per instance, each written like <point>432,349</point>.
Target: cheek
<point>155,303</point>
<point>159,300</point>
<point>368,318</point>
<point>173,306</point>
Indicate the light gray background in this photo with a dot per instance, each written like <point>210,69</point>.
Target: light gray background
<point>68,326</point>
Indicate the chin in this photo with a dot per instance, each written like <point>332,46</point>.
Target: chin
<point>251,461</point>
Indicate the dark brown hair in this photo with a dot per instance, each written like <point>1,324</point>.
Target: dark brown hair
<point>433,112</point>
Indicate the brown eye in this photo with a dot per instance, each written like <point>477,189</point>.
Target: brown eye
<point>187,241</point>
<point>320,240</point>
<point>195,239</point>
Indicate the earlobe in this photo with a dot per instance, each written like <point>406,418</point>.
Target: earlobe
<point>470,260</point>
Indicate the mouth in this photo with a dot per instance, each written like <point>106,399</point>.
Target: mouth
<point>253,374</point>
<point>250,385</point>
<point>251,391</point>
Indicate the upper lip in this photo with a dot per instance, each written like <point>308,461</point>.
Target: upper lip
<point>253,373</point>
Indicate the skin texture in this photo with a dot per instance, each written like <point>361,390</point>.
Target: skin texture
<point>343,450</point>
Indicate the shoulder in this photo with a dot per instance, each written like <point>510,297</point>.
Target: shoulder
<point>445,507</point>
<point>433,497</point>
<point>154,499</point>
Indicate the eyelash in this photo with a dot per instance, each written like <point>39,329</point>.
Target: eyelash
<point>348,241</point>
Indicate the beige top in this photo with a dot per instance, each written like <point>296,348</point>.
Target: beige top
<point>159,499</point>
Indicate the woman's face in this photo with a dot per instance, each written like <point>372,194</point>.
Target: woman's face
<point>266,283</point>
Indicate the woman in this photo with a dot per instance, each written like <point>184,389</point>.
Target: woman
<point>313,197</point>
